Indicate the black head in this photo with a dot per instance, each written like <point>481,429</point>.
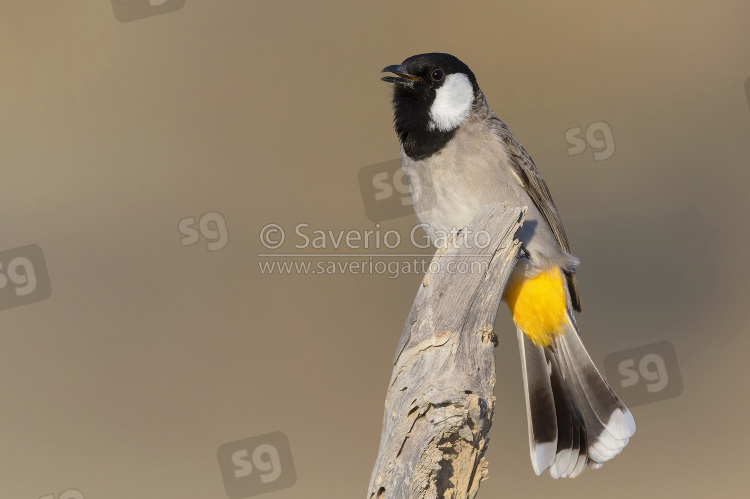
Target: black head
<point>432,95</point>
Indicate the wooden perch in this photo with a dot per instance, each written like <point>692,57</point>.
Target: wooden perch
<point>440,402</point>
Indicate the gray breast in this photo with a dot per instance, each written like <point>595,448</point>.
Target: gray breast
<point>449,188</point>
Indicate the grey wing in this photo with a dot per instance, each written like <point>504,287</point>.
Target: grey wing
<point>537,190</point>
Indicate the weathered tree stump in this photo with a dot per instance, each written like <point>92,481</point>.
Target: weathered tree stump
<point>440,402</point>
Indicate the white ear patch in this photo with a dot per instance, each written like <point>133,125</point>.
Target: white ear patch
<point>452,103</point>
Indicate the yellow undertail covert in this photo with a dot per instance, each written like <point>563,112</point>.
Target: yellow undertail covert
<point>538,305</point>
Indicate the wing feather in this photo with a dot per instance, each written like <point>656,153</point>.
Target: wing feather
<point>525,169</point>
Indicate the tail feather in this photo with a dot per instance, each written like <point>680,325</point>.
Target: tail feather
<point>575,419</point>
<point>580,429</point>
<point>540,403</point>
<point>604,403</point>
<point>595,429</point>
<point>583,454</point>
<point>568,444</point>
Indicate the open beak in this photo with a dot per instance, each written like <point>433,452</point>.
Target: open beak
<point>403,77</point>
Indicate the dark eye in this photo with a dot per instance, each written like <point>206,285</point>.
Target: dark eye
<point>438,74</point>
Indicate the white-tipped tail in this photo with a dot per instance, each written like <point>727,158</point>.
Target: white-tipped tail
<point>574,417</point>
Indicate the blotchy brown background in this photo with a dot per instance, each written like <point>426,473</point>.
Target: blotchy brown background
<point>149,355</point>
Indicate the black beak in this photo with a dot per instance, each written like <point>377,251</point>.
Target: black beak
<point>403,78</point>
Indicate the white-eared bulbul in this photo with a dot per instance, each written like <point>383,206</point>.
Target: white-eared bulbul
<point>458,157</point>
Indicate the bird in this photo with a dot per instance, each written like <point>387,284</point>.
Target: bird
<point>457,157</point>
